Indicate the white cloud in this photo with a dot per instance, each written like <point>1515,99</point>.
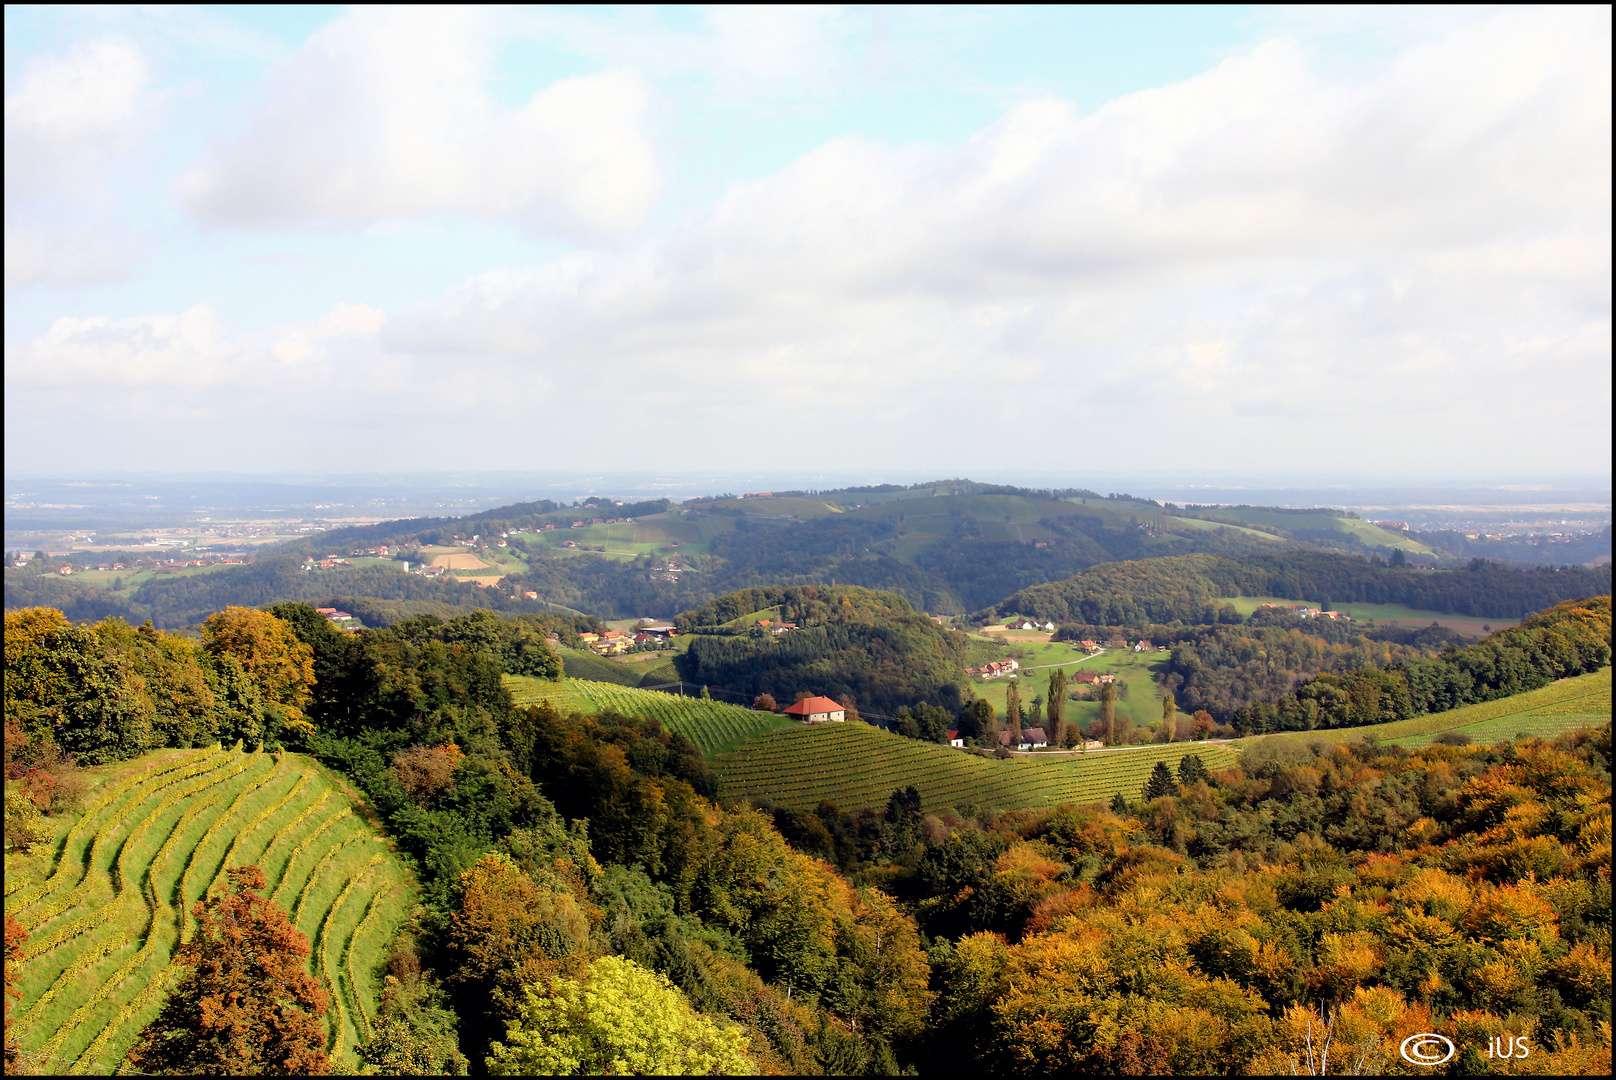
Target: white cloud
<point>38,253</point>
<point>1258,242</point>
<point>385,113</point>
<point>70,123</point>
<point>74,114</point>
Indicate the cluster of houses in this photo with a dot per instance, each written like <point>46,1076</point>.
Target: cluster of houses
<point>613,642</point>
<point>311,563</point>
<point>340,619</point>
<point>1093,678</point>
<point>777,629</point>
<point>373,552</point>
<point>1028,624</point>
<point>1307,612</point>
<point>993,669</point>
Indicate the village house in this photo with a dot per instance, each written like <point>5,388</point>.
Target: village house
<point>1143,645</point>
<point>816,710</point>
<point>1031,739</point>
<point>954,738</point>
<point>1091,646</point>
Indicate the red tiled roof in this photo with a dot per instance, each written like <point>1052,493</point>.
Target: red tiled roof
<point>809,706</point>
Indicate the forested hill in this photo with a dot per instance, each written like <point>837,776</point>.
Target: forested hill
<point>864,646</point>
<point>1188,589</point>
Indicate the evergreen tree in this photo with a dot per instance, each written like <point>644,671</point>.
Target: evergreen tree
<point>247,1005</point>
<point>1161,782</point>
<point>1119,805</point>
<point>1191,771</point>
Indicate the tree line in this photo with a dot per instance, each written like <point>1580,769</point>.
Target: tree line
<point>1188,589</point>
<point>1571,638</point>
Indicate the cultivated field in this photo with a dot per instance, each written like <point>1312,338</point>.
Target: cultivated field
<point>106,908</point>
<point>712,725</point>
<point>1398,614</point>
<point>855,765</point>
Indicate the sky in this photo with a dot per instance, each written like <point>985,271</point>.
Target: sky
<point>1361,243</point>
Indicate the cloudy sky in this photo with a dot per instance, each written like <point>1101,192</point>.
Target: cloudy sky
<point>1368,244</point>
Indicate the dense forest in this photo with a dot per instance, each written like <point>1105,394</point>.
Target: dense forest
<point>1224,668</point>
<point>1217,922</point>
<point>856,645</point>
<point>1187,589</point>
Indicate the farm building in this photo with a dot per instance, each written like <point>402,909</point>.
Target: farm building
<point>816,710</point>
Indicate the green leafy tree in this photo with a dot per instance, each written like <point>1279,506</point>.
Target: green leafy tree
<point>620,1019</point>
<point>268,650</point>
<point>247,1005</point>
<point>414,1032</point>
<point>1169,716</point>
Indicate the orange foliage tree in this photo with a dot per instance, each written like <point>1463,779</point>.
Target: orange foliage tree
<point>247,1005</point>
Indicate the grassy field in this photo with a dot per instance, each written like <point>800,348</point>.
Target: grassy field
<point>713,726</point>
<point>855,765</point>
<point>1197,523</point>
<point>1038,661</point>
<point>106,908</point>
<point>1583,701</point>
<point>1545,713</point>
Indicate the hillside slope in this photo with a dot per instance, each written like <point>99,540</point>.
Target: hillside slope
<point>855,765</point>
<point>105,910</point>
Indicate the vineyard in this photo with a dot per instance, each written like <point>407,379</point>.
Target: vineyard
<point>855,765</point>
<point>1583,701</point>
<point>713,726</point>
<point>106,908</point>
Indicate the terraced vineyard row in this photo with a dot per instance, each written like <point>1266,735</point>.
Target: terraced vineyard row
<point>105,911</point>
<point>712,725</point>
<point>855,765</point>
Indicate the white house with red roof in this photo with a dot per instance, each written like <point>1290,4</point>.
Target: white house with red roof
<point>816,710</point>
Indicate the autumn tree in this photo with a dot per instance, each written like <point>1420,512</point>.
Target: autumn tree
<point>1203,723</point>
<point>765,703</point>
<point>619,1019</point>
<point>426,770</point>
<point>15,936</point>
<point>246,1005</point>
<point>280,666</point>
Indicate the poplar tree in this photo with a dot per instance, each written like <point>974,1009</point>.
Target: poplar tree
<point>1057,705</point>
<point>1108,712</point>
<point>1012,710</point>
<point>1169,715</point>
